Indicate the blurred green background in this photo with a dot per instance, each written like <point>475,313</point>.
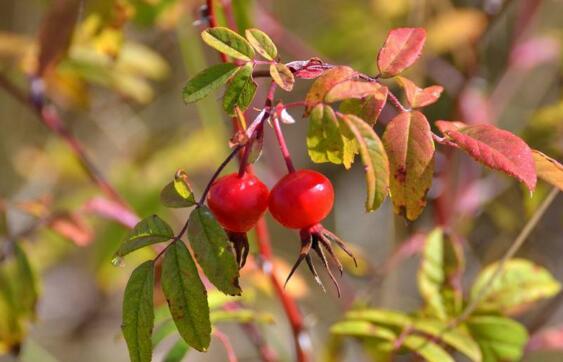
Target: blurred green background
<point>119,90</point>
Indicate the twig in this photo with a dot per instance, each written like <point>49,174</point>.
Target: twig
<point>530,225</point>
<point>231,355</point>
<point>49,116</point>
<point>264,248</point>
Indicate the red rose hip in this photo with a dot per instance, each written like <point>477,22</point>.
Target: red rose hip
<point>301,199</point>
<point>238,202</point>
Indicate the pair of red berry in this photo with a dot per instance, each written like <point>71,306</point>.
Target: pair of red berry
<point>299,200</point>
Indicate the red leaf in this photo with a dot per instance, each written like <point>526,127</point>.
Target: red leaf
<point>402,48</point>
<point>418,97</point>
<point>494,147</point>
<point>548,339</point>
<point>324,83</point>
<point>309,69</point>
<point>409,145</point>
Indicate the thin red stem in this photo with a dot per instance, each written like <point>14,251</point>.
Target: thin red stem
<point>265,251</point>
<point>213,23</point>
<point>50,117</point>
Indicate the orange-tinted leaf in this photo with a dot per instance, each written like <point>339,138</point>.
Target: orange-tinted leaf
<point>324,83</point>
<point>282,75</point>
<point>418,97</point>
<point>368,108</point>
<point>548,169</point>
<point>402,48</point>
<point>495,148</point>
<point>353,89</point>
<point>409,145</point>
<point>56,33</point>
<point>73,228</point>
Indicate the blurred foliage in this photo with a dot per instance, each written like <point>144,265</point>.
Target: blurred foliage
<point>119,86</point>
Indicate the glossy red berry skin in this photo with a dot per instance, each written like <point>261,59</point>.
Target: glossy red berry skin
<point>238,202</point>
<point>301,199</point>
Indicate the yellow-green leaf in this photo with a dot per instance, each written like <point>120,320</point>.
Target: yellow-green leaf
<point>520,283</point>
<point>374,158</point>
<point>439,275</point>
<point>178,193</point>
<point>262,43</point>
<point>283,77</point>
<point>228,42</point>
<point>324,139</point>
<point>500,339</point>
<point>410,147</point>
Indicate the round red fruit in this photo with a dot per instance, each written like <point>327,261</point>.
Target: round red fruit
<point>301,199</point>
<point>238,202</point>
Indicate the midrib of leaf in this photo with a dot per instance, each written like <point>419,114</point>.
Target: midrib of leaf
<point>184,298</point>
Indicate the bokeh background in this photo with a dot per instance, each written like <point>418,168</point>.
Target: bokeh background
<point>119,90</point>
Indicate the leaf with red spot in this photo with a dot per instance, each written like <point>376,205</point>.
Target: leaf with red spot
<point>401,49</point>
<point>307,69</point>
<point>409,145</point>
<point>324,84</point>
<point>419,97</point>
<point>548,169</point>
<point>495,148</point>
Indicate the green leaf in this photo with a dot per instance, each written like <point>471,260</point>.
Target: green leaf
<point>520,283</point>
<point>457,338</point>
<point>410,147</point>
<point>362,329</point>
<point>228,42</point>
<point>324,139</point>
<point>439,275</point>
<point>138,313</point>
<point>262,43</point>
<point>213,251</point>
<point>427,349</point>
<point>24,283</point>
<point>241,316</point>
<point>177,352</point>
<point>148,231</point>
<point>500,339</point>
<point>375,160</point>
<point>18,297</point>
<point>178,193</point>
<point>283,77</point>
<point>217,300</point>
<point>240,90</point>
<point>186,296</point>
<point>207,81</point>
